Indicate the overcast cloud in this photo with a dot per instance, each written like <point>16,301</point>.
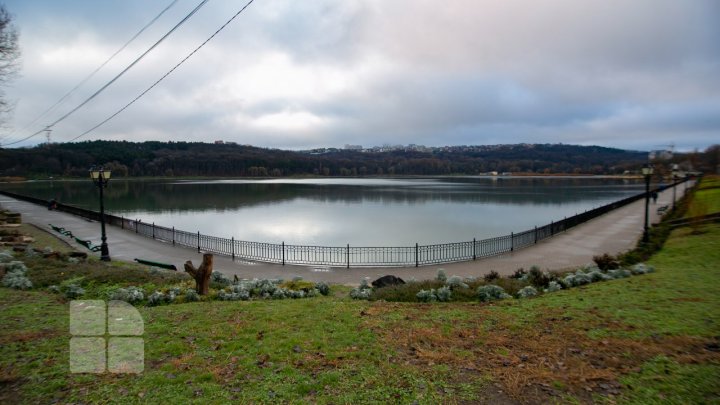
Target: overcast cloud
<point>632,74</point>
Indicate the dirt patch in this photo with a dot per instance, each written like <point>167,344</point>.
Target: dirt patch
<point>530,364</point>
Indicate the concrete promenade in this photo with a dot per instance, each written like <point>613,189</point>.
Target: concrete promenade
<point>614,232</point>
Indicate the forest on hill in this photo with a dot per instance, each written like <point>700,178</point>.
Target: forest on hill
<point>230,160</point>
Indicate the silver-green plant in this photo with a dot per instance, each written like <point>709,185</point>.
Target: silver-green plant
<point>219,278</point>
<point>426,295</point>
<point>16,276</point>
<point>191,295</point>
<point>441,276</point>
<point>619,273</point>
<point>553,286</point>
<point>131,295</point>
<point>597,275</point>
<point>443,294</point>
<point>456,282</point>
<point>73,291</point>
<point>491,292</point>
<point>322,287</point>
<point>157,298</point>
<point>527,292</point>
<point>642,268</point>
<point>6,256</point>
<point>361,293</point>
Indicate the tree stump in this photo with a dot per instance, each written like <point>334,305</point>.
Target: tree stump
<point>201,274</point>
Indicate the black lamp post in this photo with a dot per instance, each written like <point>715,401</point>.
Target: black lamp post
<point>647,171</point>
<point>101,177</point>
<point>674,180</point>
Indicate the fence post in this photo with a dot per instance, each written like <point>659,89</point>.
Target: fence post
<point>347,253</point>
<point>122,222</point>
<point>417,261</point>
<point>198,241</point>
<point>512,241</point>
<point>137,225</point>
<point>153,230</point>
<point>283,253</point>
<point>232,247</point>
<point>552,229</point>
<point>536,234</point>
<point>474,255</point>
<point>173,236</point>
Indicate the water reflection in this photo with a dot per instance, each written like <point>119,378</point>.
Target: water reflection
<point>371,212</point>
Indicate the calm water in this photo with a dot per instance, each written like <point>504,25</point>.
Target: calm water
<point>333,212</point>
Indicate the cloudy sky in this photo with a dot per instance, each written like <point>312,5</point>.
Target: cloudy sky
<point>637,74</point>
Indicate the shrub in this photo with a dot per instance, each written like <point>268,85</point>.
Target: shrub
<point>597,275</point>
<point>519,273</point>
<point>322,287</point>
<point>6,256</point>
<point>360,293</point>
<point>54,289</point>
<point>219,279</point>
<point>455,282</point>
<point>17,280</point>
<point>606,262</point>
<point>641,268</point>
<point>426,296</point>
<point>619,273</point>
<point>73,291</point>
<point>491,292</point>
<point>492,276</point>
<point>31,253</point>
<point>130,295</point>
<point>191,295</point>
<point>443,294</point>
<point>581,278</point>
<point>537,277</point>
<point>279,294</point>
<point>553,286</point>
<point>157,298</point>
<point>441,276</point>
<point>527,292</point>
<point>365,284</point>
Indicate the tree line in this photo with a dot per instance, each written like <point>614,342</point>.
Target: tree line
<point>186,159</point>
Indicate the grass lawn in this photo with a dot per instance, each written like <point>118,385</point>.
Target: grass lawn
<point>651,338</point>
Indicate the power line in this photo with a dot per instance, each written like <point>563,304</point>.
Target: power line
<point>187,17</point>
<point>91,75</point>
<point>165,75</point>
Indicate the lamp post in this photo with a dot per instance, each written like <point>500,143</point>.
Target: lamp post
<point>101,177</point>
<point>674,180</point>
<point>647,171</point>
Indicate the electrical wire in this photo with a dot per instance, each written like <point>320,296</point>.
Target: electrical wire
<point>94,72</point>
<point>165,75</point>
<point>187,17</point>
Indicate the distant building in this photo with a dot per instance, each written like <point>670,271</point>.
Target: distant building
<point>353,147</point>
<point>219,142</point>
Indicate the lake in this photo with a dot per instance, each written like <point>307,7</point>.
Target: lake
<point>337,211</point>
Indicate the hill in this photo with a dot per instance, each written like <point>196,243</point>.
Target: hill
<point>205,159</point>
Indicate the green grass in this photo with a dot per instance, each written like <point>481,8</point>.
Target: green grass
<point>706,199</point>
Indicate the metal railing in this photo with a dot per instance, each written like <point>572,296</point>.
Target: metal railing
<point>346,256</point>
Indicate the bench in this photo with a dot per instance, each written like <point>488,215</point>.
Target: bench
<point>662,209</point>
<point>157,264</point>
<point>61,230</point>
<point>88,244</point>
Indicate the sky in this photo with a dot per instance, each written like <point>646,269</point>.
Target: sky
<point>640,75</point>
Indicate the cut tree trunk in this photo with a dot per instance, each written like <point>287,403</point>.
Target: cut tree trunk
<point>201,274</point>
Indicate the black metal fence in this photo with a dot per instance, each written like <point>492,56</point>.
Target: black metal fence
<point>345,256</point>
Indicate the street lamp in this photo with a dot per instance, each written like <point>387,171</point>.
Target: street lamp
<point>647,171</point>
<point>674,180</point>
<point>101,177</point>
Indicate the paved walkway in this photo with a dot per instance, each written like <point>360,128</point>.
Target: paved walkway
<point>612,233</point>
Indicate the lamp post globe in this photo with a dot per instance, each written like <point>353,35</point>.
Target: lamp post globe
<point>100,178</point>
<point>647,172</point>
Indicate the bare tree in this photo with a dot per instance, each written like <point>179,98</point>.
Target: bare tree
<point>9,57</point>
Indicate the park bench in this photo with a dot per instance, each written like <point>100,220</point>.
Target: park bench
<point>662,209</point>
<point>157,264</point>
<point>60,230</point>
<point>88,244</point>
